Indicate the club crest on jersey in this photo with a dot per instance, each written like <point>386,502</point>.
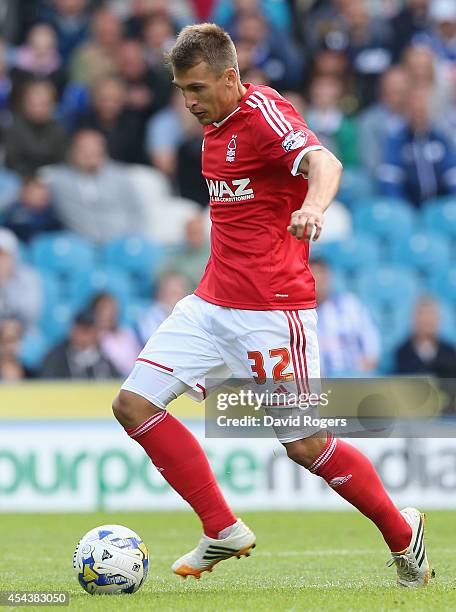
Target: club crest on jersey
<point>294,140</point>
<point>231,149</point>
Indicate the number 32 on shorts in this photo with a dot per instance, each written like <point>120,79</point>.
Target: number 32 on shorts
<point>278,370</point>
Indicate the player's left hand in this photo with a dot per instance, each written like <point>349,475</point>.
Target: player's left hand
<point>306,222</point>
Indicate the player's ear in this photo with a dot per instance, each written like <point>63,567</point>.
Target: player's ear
<point>230,77</point>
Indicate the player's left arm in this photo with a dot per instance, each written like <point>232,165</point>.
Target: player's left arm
<point>323,171</point>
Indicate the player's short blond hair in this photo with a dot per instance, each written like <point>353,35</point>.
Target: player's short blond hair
<point>203,42</point>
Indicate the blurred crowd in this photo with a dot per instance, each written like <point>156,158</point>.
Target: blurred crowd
<point>94,143</point>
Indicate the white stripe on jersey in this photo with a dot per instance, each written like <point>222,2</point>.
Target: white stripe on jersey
<point>266,115</point>
<point>281,115</point>
<point>273,114</point>
<point>264,102</point>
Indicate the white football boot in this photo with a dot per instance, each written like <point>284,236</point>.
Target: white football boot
<point>412,563</point>
<point>210,551</point>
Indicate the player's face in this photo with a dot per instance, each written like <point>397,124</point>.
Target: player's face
<point>208,96</point>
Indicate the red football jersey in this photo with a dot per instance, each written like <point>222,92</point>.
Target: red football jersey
<point>250,162</point>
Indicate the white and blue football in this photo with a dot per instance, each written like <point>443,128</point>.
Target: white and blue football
<point>111,559</point>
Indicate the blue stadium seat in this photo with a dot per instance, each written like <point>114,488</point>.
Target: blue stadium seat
<point>354,255</point>
<point>52,291</point>
<point>356,185</point>
<point>24,251</point>
<point>427,252</point>
<point>439,215</point>
<point>63,253</point>
<point>389,219</point>
<point>137,256</point>
<point>443,285</point>
<point>34,347</point>
<point>393,323</point>
<point>448,322</point>
<point>133,311</point>
<point>56,321</point>
<point>389,287</point>
<point>386,363</point>
<point>83,287</point>
<point>317,250</point>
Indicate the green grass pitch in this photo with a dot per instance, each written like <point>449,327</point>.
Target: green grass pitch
<point>303,561</point>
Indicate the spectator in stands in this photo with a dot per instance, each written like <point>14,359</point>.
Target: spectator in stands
<point>369,47</point>
<point>446,118</point>
<point>411,20</point>
<point>165,131</point>
<point>191,259</point>
<point>316,24</point>
<point>349,341</point>
<point>38,58</point>
<point>93,195</point>
<point>246,58</point>
<point>122,128</point>
<point>425,73</point>
<point>117,342</point>
<point>419,161</point>
<point>277,13</point>
<point>20,286</point>
<point>35,139</point>
<point>97,58</point>
<point>157,34</point>
<point>442,37</point>
<point>11,369</point>
<point>147,90</point>
<point>424,352</point>
<point>178,12</point>
<point>191,183</point>
<point>344,31</point>
<point>328,61</point>
<point>80,356</point>
<point>70,20</point>
<point>10,19</point>
<point>418,61</point>
<point>326,118</point>
<point>33,213</point>
<point>173,144</point>
<point>277,56</point>
<point>172,287</point>
<point>384,118</point>
<point>10,186</point>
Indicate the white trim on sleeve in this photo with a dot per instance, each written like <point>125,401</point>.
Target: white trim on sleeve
<point>300,155</point>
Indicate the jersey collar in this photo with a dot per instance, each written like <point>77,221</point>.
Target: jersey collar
<point>219,123</point>
<point>249,88</point>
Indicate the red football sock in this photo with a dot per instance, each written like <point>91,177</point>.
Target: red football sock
<point>178,456</point>
<point>352,475</point>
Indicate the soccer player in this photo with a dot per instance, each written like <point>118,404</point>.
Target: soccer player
<point>269,182</point>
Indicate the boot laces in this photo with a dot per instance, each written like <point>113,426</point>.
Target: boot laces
<point>406,566</point>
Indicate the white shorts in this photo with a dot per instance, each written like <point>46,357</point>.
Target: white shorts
<point>200,342</point>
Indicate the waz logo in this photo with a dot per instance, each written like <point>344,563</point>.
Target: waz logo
<point>230,191</point>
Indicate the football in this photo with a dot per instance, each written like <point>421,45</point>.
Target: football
<point>111,559</point>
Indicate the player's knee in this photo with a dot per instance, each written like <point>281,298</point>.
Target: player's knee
<point>305,451</point>
<point>131,409</point>
<point>122,407</point>
<point>295,453</point>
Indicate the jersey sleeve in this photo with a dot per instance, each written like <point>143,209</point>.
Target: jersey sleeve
<point>279,132</point>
